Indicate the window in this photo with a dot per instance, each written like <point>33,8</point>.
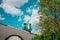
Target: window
<point>14,37</point>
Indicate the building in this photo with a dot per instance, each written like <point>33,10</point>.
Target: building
<point>7,31</point>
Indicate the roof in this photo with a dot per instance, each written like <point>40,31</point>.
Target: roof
<point>5,31</point>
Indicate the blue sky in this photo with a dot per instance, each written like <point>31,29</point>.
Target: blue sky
<point>17,12</point>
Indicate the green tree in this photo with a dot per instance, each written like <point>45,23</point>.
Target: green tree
<point>49,20</point>
<point>49,10</point>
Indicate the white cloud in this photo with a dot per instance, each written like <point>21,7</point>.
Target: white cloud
<point>16,3</point>
<point>35,5</point>
<point>34,31</point>
<point>29,10</point>
<point>27,18</point>
<point>38,0</point>
<point>19,19</point>
<point>34,12</point>
<point>1,18</point>
<point>34,19</point>
<point>38,32</point>
<point>11,10</point>
<point>10,6</point>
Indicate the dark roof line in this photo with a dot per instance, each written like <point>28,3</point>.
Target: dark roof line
<point>3,24</point>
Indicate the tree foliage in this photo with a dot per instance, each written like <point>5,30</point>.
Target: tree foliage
<point>49,20</point>
<point>49,10</point>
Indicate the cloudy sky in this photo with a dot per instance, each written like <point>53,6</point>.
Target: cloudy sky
<point>17,12</point>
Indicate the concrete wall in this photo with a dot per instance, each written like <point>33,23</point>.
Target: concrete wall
<point>5,31</point>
